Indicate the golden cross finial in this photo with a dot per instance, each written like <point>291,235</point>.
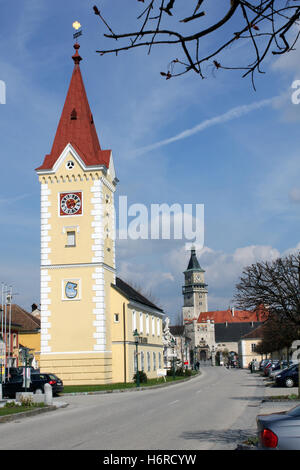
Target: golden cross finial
<point>76,25</point>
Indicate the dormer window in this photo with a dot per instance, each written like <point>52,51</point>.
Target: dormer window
<point>73,115</point>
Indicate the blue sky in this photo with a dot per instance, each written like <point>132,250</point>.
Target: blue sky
<point>244,168</point>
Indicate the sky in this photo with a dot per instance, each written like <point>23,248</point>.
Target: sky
<point>216,142</point>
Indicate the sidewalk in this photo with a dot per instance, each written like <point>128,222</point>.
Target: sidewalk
<point>273,406</point>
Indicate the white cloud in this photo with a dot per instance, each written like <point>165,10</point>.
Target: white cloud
<point>164,277</point>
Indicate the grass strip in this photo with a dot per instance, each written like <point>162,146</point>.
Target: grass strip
<point>117,386</point>
<point>19,409</point>
<point>284,397</point>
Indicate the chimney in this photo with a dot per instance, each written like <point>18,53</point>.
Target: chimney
<point>232,311</point>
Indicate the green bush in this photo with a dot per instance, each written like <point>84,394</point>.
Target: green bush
<point>180,372</point>
<point>10,404</point>
<point>143,377</point>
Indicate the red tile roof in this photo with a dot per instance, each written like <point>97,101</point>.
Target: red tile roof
<point>20,317</point>
<point>239,316</point>
<point>76,126</point>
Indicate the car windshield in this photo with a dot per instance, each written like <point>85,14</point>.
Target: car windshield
<point>294,411</point>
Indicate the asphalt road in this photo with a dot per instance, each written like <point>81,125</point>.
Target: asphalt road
<point>214,411</point>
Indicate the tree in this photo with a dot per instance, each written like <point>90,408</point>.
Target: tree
<point>205,32</point>
<point>276,336</point>
<point>276,285</point>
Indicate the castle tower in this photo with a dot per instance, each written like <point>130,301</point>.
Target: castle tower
<point>77,245</point>
<point>194,290</point>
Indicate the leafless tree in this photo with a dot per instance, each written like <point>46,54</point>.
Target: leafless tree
<point>206,32</point>
<point>274,284</point>
<point>276,335</point>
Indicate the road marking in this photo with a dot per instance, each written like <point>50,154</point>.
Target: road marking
<point>199,391</point>
<point>173,402</point>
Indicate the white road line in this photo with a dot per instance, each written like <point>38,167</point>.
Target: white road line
<point>173,402</point>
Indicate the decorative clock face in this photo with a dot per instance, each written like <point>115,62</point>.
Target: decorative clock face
<point>71,203</point>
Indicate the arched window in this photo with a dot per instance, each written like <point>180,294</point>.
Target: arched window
<point>133,320</point>
<point>154,361</point>
<point>141,322</point>
<point>142,361</point>
<point>148,362</point>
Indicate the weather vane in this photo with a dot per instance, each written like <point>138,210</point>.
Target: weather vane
<point>77,26</point>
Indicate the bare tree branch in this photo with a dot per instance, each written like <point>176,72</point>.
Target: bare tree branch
<point>264,27</point>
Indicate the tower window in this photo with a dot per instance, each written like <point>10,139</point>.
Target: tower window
<point>71,238</point>
<point>116,318</point>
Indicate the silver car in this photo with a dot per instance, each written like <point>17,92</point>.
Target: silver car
<point>279,431</point>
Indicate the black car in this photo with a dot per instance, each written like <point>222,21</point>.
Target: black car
<point>288,377</point>
<point>38,381</point>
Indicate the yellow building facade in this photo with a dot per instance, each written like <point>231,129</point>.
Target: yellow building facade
<point>132,312</point>
<point>78,335</point>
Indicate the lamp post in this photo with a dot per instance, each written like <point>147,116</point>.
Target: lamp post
<point>173,346</point>
<point>186,344</point>
<point>195,357</point>
<point>136,340</point>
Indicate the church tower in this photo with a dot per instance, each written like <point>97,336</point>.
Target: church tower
<point>194,290</point>
<point>78,182</point>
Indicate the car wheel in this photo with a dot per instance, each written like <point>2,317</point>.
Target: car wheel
<point>289,382</point>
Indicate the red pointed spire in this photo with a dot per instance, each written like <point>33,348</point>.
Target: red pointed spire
<point>76,125</point>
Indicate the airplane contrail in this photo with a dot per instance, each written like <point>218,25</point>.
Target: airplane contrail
<point>233,113</point>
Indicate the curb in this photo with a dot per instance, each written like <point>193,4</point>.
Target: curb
<point>245,447</point>
<point>134,389</point>
<point>280,400</point>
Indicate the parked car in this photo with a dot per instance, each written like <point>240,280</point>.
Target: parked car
<point>279,431</point>
<point>275,365</point>
<point>280,367</point>
<point>38,381</point>
<point>288,377</point>
<point>266,368</point>
<point>263,363</point>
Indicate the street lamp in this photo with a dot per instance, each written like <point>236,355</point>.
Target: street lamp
<point>136,340</point>
<point>173,346</point>
<point>195,357</point>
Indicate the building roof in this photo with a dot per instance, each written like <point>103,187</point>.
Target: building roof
<point>22,319</point>
<point>233,316</point>
<point>194,263</point>
<point>233,332</point>
<point>177,330</point>
<point>131,294</point>
<point>254,334</point>
<point>76,126</point>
